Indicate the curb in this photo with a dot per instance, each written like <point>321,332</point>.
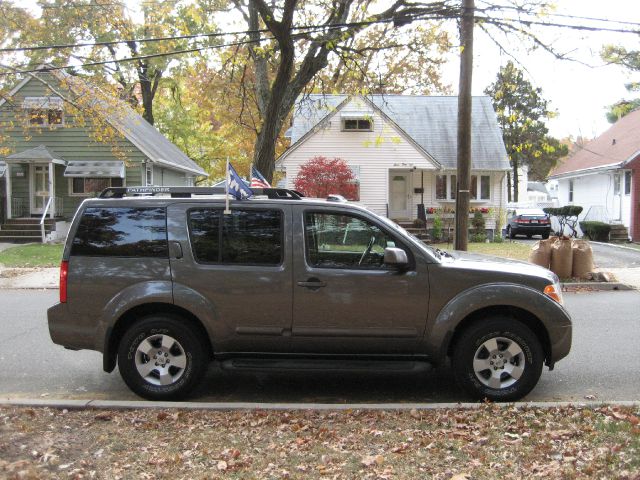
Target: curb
<point>595,286</point>
<point>225,406</point>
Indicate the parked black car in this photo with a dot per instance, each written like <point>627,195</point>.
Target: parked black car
<point>529,222</point>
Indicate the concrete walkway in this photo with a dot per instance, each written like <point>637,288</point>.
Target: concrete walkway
<point>29,277</point>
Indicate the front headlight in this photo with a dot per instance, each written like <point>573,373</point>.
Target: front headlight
<point>554,291</point>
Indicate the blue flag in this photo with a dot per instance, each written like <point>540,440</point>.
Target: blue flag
<point>237,186</point>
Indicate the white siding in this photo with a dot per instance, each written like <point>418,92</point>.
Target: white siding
<point>596,192</point>
<point>376,153</point>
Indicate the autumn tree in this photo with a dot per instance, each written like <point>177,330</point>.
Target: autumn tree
<point>284,65</point>
<point>320,177</point>
<point>522,112</point>
<point>629,59</point>
<point>75,22</point>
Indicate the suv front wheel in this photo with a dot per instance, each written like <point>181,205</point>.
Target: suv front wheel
<point>499,359</point>
<point>161,358</point>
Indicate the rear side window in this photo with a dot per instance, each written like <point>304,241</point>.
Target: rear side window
<point>244,237</point>
<point>122,232</point>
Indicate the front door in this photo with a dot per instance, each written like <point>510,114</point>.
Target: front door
<point>399,195</point>
<point>39,188</point>
<point>346,301</point>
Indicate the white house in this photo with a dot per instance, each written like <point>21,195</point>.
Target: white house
<point>401,149</point>
<point>602,177</point>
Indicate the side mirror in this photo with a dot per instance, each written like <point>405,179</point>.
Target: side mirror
<point>395,257</point>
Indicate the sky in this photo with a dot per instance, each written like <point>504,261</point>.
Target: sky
<point>579,93</point>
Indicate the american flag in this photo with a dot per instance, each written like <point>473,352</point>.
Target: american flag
<point>257,180</point>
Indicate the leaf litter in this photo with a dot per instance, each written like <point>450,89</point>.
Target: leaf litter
<point>462,444</point>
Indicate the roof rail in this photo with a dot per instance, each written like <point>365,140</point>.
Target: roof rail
<point>188,192</point>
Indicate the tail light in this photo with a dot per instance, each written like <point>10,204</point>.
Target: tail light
<point>64,271</point>
<point>521,220</point>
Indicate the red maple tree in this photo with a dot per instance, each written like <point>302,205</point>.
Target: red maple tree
<point>320,177</point>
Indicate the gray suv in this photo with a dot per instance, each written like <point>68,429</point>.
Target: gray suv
<point>163,281</point>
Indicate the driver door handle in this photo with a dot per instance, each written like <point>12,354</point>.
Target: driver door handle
<point>312,283</point>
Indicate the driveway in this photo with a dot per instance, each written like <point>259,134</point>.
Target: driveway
<point>602,364</point>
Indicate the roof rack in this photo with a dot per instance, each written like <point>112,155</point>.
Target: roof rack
<point>189,192</point>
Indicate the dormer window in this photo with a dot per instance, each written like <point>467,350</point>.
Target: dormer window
<point>357,125</point>
<point>357,121</point>
<point>44,111</point>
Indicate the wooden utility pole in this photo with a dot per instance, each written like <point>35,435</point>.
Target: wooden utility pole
<point>464,125</point>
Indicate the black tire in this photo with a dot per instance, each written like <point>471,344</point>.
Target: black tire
<point>545,236</point>
<point>529,235</point>
<point>186,349</point>
<point>470,347</point>
<point>510,233</point>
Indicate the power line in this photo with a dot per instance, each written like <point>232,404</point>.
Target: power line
<point>307,28</point>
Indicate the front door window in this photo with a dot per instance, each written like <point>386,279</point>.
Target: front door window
<point>40,188</point>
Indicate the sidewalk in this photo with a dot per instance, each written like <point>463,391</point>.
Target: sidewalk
<point>18,278</point>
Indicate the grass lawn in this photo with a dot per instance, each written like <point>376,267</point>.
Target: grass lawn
<point>32,255</point>
<point>484,443</point>
<point>506,249</point>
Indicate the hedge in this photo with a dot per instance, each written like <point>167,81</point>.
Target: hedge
<point>598,231</point>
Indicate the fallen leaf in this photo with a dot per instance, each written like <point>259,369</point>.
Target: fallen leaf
<point>222,465</point>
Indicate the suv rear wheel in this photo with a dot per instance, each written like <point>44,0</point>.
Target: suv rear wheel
<point>161,358</point>
<point>499,359</point>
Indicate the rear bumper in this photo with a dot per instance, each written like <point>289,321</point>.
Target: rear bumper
<point>67,330</point>
<point>531,229</point>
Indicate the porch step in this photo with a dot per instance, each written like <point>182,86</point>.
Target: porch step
<point>29,221</point>
<point>618,233</point>
<point>4,233</point>
<point>26,226</point>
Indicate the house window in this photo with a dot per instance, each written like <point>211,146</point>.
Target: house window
<point>149,175</point>
<point>44,111</point>
<point>357,124</point>
<point>616,184</point>
<point>447,187</point>
<point>441,187</point>
<point>83,186</point>
<point>627,183</point>
<point>570,190</point>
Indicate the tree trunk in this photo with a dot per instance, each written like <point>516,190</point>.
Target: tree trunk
<point>509,187</point>
<point>515,179</point>
<point>464,126</point>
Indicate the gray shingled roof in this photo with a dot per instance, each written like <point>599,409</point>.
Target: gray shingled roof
<point>138,131</point>
<point>37,153</point>
<point>430,121</point>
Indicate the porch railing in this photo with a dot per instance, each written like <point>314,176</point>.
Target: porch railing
<point>44,215</point>
<point>59,207</point>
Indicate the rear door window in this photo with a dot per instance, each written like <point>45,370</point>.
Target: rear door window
<point>122,232</point>
<point>244,237</point>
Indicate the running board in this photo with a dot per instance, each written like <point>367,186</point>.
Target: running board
<point>326,365</point>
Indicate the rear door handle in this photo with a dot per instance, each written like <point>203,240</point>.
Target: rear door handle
<point>312,283</point>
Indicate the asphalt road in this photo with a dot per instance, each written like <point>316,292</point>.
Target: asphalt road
<point>603,364</point>
<point>605,256</point>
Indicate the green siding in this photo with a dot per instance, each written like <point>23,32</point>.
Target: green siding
<point>165,177</point>
<point>71,141</point>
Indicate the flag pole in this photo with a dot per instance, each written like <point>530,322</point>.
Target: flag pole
<point>227,211</point>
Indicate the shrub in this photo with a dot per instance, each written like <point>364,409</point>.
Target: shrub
<point>598,231</point>
<point>436,231</point>
<point>321,176</point>
<point>478,237</point>
<point>567,217</point>
<point>498,238</point>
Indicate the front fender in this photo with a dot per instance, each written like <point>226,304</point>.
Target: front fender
<point>553,316</point>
